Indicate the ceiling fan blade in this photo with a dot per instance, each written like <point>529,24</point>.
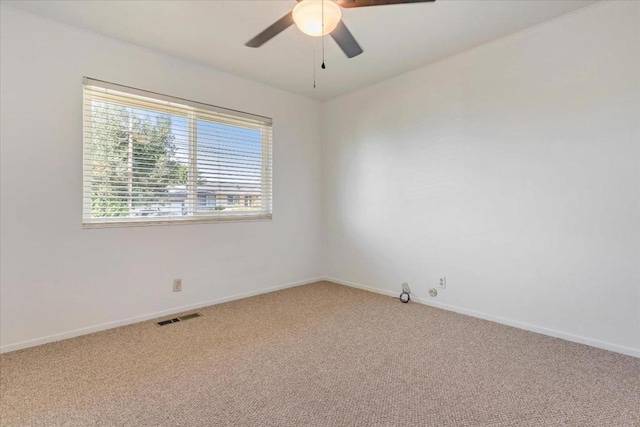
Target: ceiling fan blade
<point>276,28</point>
<point>345,40</point>
<point>362,3</point>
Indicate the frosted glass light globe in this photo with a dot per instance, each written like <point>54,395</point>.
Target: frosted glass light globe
<point>308,17</point>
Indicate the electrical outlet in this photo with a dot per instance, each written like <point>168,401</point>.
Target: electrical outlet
<point>442,282</point>
<point>177,285</point>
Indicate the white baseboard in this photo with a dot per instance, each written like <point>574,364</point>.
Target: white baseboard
<point>521,325</point>
<point>516,324</point>
<point>109,325</point>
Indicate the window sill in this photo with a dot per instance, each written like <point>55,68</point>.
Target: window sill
<point>188,221</point>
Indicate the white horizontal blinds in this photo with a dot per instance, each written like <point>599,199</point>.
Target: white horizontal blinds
<point>150,158</point>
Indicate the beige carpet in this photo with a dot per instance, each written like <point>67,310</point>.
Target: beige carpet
<point>319,355</point>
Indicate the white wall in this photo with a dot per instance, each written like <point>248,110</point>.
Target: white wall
<point>513,169</point>
<point>57,277</point>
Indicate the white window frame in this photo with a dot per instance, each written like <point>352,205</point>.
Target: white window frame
<point>140,99</point>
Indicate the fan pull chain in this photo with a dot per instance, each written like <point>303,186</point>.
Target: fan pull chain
<point>323,36</point>
<point>314,62</point>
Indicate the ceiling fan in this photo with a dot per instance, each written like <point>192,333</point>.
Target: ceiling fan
<point>321,17</point>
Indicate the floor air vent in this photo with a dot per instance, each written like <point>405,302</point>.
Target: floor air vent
<point>179,319</point>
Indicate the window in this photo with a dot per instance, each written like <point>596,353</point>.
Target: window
<point>155,159</point>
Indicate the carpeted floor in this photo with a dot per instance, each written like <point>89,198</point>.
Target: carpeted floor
<point>319,355</point>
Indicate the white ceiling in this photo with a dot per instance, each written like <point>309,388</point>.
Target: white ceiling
<point>395,39</point>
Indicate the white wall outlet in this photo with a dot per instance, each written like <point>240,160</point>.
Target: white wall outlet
<point>442,282</point>
<point>177,285</point>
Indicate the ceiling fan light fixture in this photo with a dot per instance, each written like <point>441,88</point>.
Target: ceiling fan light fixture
<point>308,16</point>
